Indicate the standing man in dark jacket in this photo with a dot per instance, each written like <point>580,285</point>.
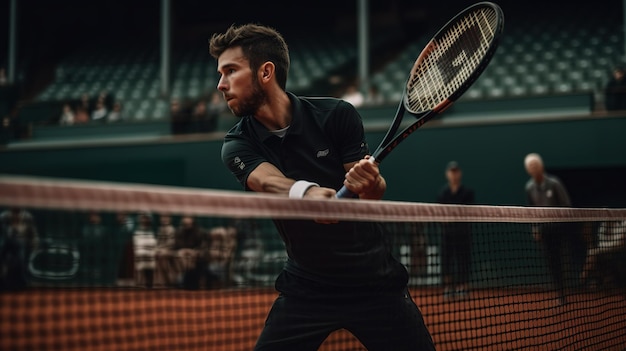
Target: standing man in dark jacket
<point>456,238</point>
<point>546,190</point>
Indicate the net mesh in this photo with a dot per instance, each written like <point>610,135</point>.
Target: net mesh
<point>86,265</point>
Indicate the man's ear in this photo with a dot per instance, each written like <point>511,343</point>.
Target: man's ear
<point>266,71</point>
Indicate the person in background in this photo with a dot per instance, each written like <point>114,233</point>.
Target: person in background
<point>67,115</point>
<point>188,243</point>
<point>199,117</point>
<point>116,113</point>
<point>179,117</point>
<point>353,95</point>
<point>18,239</point>
<point>167,265</point>
<point>339,274</point>
<point>3,77</point>
<point>95,245</point>
<point>125,225</point>
<point>456,238</point>
<point>217,106</point>
<point>615,90</point>
<point>99,114</point>
<point>561,241</point>
<point>144,244</point>
<point>373,96</point>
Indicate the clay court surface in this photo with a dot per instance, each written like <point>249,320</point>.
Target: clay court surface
<point>136,319</point>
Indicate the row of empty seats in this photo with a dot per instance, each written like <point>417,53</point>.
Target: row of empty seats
<point>550,60</point>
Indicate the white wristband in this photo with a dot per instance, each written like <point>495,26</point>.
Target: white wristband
<point>299,188</point>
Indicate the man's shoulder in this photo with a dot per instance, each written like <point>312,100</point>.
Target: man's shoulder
<point>530,183</point>
<point>552,179</point>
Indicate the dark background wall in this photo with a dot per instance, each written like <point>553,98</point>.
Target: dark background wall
<point>588,154</point>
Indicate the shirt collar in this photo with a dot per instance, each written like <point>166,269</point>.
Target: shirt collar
<point>295,128</point>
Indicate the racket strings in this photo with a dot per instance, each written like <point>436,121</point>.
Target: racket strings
<point>454,57</point>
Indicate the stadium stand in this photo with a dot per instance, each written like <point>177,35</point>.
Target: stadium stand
<point>536,58</point>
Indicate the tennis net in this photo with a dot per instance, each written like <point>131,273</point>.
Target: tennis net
<point>96,265</point>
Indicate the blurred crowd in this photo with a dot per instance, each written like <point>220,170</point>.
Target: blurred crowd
<point>186,115</point>
<point>143,250</point>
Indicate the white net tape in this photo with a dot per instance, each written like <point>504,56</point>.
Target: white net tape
<point>66,194</point>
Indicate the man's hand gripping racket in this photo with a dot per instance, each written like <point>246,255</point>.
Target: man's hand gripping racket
<point>448,65</point>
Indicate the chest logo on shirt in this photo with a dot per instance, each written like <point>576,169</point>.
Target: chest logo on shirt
<point>549,193</point>
<point>323,153</point>
<point>238,163</point>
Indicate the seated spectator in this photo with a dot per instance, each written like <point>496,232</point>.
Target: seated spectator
<point>611,240</point>
<point>18,239</point>
<point>107,98</point>
<point>144,244</point>
<point>217,106</point>
<point>251,249</point>
<point>180,117</point>
<point>354,96</point>
<point>123,231</point>
<point>188,242</point>
<point>168,268</point>
<point>199,117</point>
<point>94,248</point>
<point>81,115</point>
<point>222,243</point>
<point>116,113</point>
<point>615,90</point>
<point>85,104</point>
<point>3,77</point>
<point>373,97</point>
<point>67,115</point>
<point>99,114</point>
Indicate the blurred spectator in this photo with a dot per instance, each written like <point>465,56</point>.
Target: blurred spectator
<point>373,97</point>
<point>3,76</point>
<point>353,95</point>
<point>116,113</point>
<point>99,114</point>
<point>168,268</point>
<point>189,239</point>
<point>221,247</point>
<point>85,104</point>
<point>144,244</point>
<point>6,130</point>
<point>179,117</point>
<point>199,117</point>
<point>67,115</point>
<point>106,98</point>
<point>561,241</point>
<point>456,238</point>
<point>611,241</point>
<point>250,247</point>
<point>81,115</point>
<point>615,90</point>
<point>94,248</point>
<point>217,106</point>
<point>124,228</point>
<point>18,239</point>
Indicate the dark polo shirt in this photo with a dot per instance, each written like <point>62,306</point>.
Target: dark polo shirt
<point>324,134</point>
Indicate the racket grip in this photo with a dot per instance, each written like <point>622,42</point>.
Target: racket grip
<point>344,193</point>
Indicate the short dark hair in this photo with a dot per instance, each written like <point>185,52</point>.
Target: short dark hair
<point>259,44</point>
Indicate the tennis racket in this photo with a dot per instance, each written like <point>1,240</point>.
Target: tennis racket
<point>447,66</point>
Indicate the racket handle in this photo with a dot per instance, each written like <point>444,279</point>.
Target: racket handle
<point>344,193</point>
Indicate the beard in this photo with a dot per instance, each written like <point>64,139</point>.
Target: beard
<point>249,106</point>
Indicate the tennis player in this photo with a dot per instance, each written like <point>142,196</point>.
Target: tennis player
<point>339,274</point>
